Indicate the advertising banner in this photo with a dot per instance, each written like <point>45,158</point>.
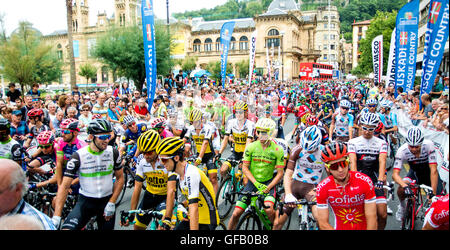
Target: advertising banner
<point>225,37</point>
<point>377,58</point>
<point>252,56</point>
<point>148,29</point>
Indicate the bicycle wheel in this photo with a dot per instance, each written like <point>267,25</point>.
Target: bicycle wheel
<point>124,188</point>
<point>408,218</point>
<point>249,221</point>
<point>225,199</point>
<point>221,226</point>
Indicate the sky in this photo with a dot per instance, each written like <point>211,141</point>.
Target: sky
<point>50,15</point>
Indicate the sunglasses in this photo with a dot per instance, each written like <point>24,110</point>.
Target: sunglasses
<point>414,147</point>
<point>337,165</point>
<point>371,105</point>
<point>344,108</point>
<point>67,131</point>
<point>85,110</point>
<point>165,159</point>
<point>368,129</point>
<point>261,132</point>
<point>240,112</point>
<point>103,137</point>
<point>45,146</point>
<point>132,124</point>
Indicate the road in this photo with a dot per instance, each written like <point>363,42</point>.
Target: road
<point>392,223</point>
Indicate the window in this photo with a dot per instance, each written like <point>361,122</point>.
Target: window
<point>324,56</point>
<point>332,37</point>
<point>243,43</point>
<point>332,46</point>
<point>197,45</point>
<point>333,25</point>
<point>232,43</point>
<point>104,74</point>
<point>325,37</point>
<point>360,29</point>
<point>325,46</point>
<point>325,25</point>
<point>273,32</point>
<point>273,39</point>
<point>332,56</point>
<point>218,44</point>
<point>208,44</point>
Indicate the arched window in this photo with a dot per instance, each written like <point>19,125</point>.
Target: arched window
<point>197,45</point>
<point>218,44</point>
<point>273,32</point>
<point>208,44</point>
<point>243,43</point>
<point>233,43</point>
<point>273,38</point>
<point>59,51</point>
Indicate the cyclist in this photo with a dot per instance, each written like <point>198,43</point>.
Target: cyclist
<point>9,148</point>
<point>131,135</point>
<point>159,125</point>
<point>368,155</point>
<point>66,146</point>
<point>313,121</point>
<point>241,129</point>
<point>389,120</point>
<point>95,164</point>
<point>261,159</point>
<point>303,173</point>
<point>202,135</point>
<point>341,127</point>
<point>194,185</point>
<point>326,110</point>
<point>420,154</point>
<point>36,118</point>
<point>152,172</point>
<point>436,217</point>
<point>350,194</point>
<point>279,116</point>
<point>46,155</point>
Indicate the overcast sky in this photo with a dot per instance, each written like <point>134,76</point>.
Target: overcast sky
<point>50,15</point>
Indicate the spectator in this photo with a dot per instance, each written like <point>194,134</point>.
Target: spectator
<point>20,222</point>
<point>113,113</point>
<point>58,119</point>
<point>19,128</point>
<point>440,121</point>
<point>141,110</point>
<point>136,95</point>
<point>63,104</point>
<point>438,86</point>
<point>6,112</point>
<point>21,106</point>
<point>93,99</point>
<point>71,113</point>
<point>13,93</point>
<point>13,186</point>
<point>75,91</point>
<point>34,91</point>
<point>160,108</point>
<point>179,79</point>
<point>85,117</point>
<point>100,107</point>
<point>52,107</point>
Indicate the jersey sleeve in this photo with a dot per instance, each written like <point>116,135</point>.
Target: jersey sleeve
<point>16,152</point>
<point>351,120</point>
<point>140,172</point>
<point>369,196</point>
<point>351,148</point>
<point>322,194</point>
<point>432,155</point>
<point>117,159</point>
<point>294,157</point>
<point>279,157</point>
<point>72,166</point>
<point>193,183</point>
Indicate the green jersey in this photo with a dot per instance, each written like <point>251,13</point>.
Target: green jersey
<point>263,162</point>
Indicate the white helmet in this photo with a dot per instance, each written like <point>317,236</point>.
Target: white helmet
<point>369,119</point>
<point>345,103</point>
<point>372,101</point>
<point>310,138</point>
<point>127,120</point>
<point>414,136</point>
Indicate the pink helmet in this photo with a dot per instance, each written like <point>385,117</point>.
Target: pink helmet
<point>45,137</point>
<point>159,122</point>
<point>96,116</point>
<point>70,123</point>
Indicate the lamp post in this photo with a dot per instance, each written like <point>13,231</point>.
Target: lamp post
<point>282,56</point>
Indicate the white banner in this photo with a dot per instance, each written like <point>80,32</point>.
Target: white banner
<point>390,73</point>
<point>252,56</point>
<point>377,58</point>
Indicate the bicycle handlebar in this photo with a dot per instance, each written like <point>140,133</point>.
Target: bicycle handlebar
<point>260,196</point>
<point>124,215</point>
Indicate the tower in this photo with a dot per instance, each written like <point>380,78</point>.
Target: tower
<point>80,15</point>
<point>126,12</point>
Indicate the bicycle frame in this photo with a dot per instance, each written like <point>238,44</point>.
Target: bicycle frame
<point>418,204</point>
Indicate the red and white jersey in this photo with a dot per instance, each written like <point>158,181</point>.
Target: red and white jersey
<point>347,202</point>
<point>437,214</point>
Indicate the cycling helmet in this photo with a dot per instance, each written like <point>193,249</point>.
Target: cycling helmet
<point>159,122</point>
<point>334,151</point>
<point>170,146</point>
<point>386,104</point>
<point>127,120</point>
<point>70,123</point>
<point>312,120</point>
<point>345,104</point>
<point>414,136</point>
<point>266,124</point>
<point>369,119</point>
<point>99,126</point>
<point>5,124</point>
<point>148,141</point>
<point>97,116</point>
<point>195,115</point>
<point>371,101</point>
<point>310,138</point>
<point>379,127</point>
<point>304,117</point>
<point>35,112</point>
<point>240,105</point>
<point>45,137</point>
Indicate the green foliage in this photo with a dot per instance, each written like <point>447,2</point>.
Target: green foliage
<point>122,49</point>
<point>382,24</point>
<point>214,68</point>
<point>243,67</point>
<point>88,71</point>
<point>188,63</point>
<point>26,59</point>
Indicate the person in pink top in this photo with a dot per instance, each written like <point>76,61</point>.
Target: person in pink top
<point>159,124</point>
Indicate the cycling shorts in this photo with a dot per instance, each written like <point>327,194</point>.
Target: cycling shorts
<point>235,156</point>
<point>149,201</point>
<point>243,202</point>
<point>208,160</point>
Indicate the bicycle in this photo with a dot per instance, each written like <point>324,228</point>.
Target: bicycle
<point>233,182</point>
<point>129,176</point>
<point>415,205</point>
<point>254,215</point>
<point>305,217</point>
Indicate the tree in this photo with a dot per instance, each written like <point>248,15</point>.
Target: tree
<point>73,77</point>
<point>188,63</point>
<point>382,24</point>
<point>122,49</point>
<point>26,59</point>
<point>214,69</point>
<point>243,67</point>
<point>88,71</point>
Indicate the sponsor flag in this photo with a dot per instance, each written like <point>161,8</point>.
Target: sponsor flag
<point>252,56</point>
<point>225,38</point>
<point>390,74</point>
<point>377,58</point>
<point>148,29</point>
<point>406,42</point>
<point>436,36</point>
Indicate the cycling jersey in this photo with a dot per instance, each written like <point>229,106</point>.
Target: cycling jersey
<point>10,149</point>
<point>284,145</point>
<point>206,133</point>
<point>389,121</point>
<point>437,214</point>
<point>240,133</point>
<point>166,133</point>
<point>66,150</point>
<point>307,167</point>
<point>197,188</point>
<point>263,162</point>
<point>347,202</point>
<point>367,154</point>
<point>34,131</point>
<point>420,165</point>
<point>342,124</point>
<point>155,177</point>
<point>130,136</point>
<point>95,170</point>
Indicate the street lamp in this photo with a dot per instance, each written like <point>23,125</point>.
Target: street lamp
<point>282,56</point>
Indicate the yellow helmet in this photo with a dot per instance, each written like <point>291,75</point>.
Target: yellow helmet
<point>266,124</point>
<point>304,117</point>
<point>169,146</point>
<point>240,105</point>
<point>195,115</point>
<point>148,141</point>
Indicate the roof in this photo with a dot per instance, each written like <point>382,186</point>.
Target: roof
<point>283,5</point>
<point>366,22</point>
<point>217,25</point>
<point>274,12</point>
<point>58,33</point>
